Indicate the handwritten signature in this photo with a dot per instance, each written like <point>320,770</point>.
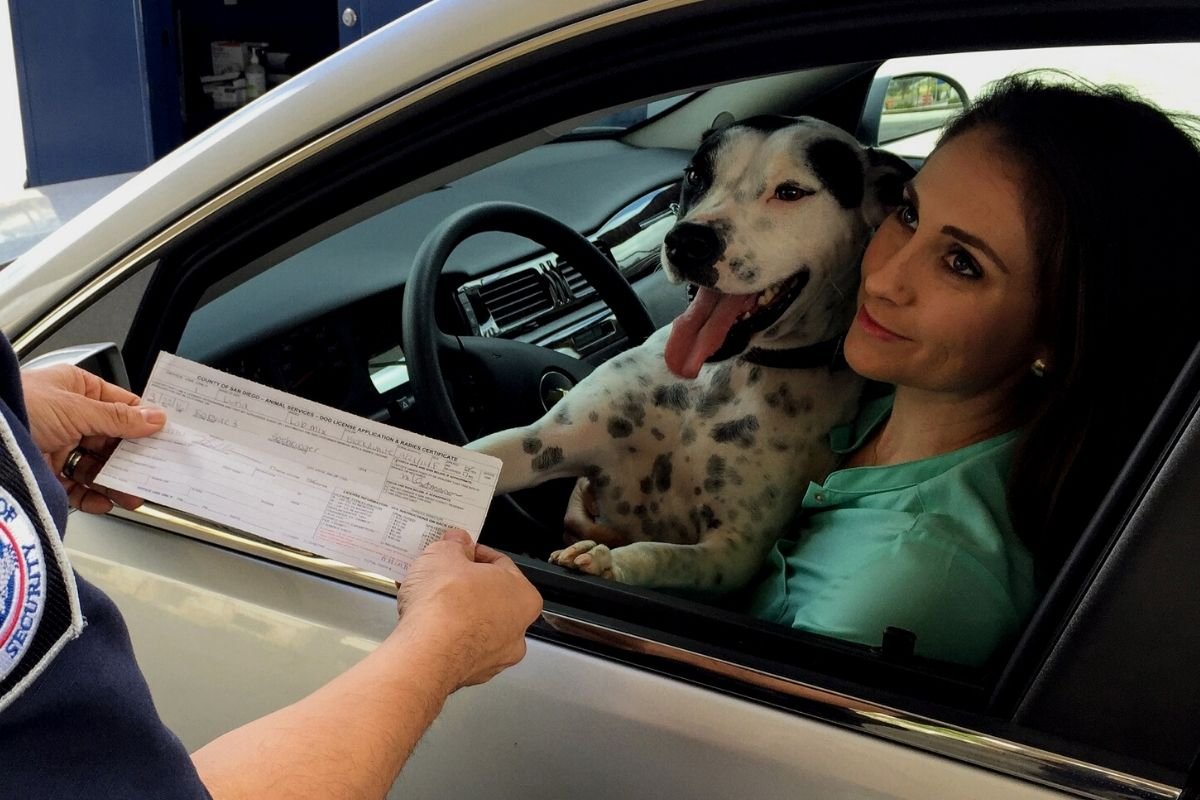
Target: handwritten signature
<point>289,442</point>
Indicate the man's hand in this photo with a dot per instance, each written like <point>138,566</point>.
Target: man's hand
<point>71,408</point>
<point>467,606</point>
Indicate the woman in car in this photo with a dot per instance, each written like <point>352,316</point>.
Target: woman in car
<point>1030,301</point>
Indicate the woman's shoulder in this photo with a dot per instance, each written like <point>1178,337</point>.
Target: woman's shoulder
<point>976,541</point>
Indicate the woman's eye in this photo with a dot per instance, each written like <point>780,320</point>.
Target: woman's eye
<point>692,176</point>
<point>791,192</point>
<point>907,214</point>
<point>962,264</point>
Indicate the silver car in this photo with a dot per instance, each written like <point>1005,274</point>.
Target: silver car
<point>277,246</point>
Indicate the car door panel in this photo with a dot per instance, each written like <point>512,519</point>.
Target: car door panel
<point>224,638</point>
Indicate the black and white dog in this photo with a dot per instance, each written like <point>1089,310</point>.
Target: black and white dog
<point>700,443</point>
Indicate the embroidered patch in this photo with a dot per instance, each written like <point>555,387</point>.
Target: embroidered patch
<point>22,584</point>
<point>39,602</point>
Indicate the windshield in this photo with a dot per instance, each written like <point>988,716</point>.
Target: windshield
<point>626,118</point>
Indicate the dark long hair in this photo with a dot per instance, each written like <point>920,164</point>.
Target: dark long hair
<point>1112,198</point>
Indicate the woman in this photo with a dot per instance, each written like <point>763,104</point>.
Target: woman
<point>1031,301</point>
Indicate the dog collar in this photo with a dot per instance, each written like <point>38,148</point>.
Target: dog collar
<point>822,354</point>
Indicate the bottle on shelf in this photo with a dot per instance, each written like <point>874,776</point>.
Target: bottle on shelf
<point>256,77</point>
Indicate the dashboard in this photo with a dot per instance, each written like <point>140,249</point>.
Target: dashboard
<point>324,323</point>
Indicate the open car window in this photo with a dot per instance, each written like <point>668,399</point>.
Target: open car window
<point>319,315</point>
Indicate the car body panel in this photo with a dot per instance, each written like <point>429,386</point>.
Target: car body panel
<point>562,720</point>
<point>228,629</point>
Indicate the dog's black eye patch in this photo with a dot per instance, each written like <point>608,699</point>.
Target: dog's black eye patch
<point>698,175</point>
<point>697,179</point>
<point>839,168</point>
<point>892,173</point>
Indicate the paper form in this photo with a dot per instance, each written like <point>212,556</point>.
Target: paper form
<point>299,473</point>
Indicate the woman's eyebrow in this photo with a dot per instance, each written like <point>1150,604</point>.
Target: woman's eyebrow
<point>977,243</point>
<point>910,191</point>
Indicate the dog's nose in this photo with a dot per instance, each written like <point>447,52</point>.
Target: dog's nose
<point>693,249</point>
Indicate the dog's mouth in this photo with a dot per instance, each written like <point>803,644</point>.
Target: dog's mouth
<point>716,326</point>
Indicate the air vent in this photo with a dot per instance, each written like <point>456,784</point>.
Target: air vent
<point>517,297</point>
<point>577,283</point>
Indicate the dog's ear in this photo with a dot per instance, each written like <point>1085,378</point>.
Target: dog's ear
<point>722,121</point>
<point>886,175</point>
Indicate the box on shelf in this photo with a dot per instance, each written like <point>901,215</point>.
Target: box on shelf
<point>226,91</point>
<point>230,56</point>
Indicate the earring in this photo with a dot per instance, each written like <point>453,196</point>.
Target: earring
<point>1039,367</point>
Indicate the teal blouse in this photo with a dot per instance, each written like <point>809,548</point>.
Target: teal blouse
<point>927,546</point>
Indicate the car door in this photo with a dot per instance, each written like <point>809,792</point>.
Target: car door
<point>624,692</point>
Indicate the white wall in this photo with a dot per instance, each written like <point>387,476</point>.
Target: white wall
<point>12,145</point>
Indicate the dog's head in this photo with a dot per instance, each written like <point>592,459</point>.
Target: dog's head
<point>773,214</point>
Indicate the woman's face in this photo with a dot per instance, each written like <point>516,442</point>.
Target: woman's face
<point>948,296</point>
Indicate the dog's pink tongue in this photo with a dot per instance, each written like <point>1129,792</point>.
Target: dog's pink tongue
<point>701,329</point>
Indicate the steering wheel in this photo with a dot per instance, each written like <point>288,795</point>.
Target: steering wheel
<point>512,371</point>
<point>521,380</point>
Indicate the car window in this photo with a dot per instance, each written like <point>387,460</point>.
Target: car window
<point>1159,72</point>
<point>321,318</point>
<point>320,314</point>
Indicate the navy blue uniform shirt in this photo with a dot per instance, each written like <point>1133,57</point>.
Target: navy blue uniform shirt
<point>85,725</point>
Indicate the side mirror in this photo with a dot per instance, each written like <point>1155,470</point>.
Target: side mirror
<point>103,359</point>
<point>903,106</point>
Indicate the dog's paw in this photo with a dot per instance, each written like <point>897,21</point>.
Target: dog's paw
<point>586,556</point>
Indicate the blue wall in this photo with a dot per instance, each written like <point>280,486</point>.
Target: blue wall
<point>85,95</point>
<point>108,86</point>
